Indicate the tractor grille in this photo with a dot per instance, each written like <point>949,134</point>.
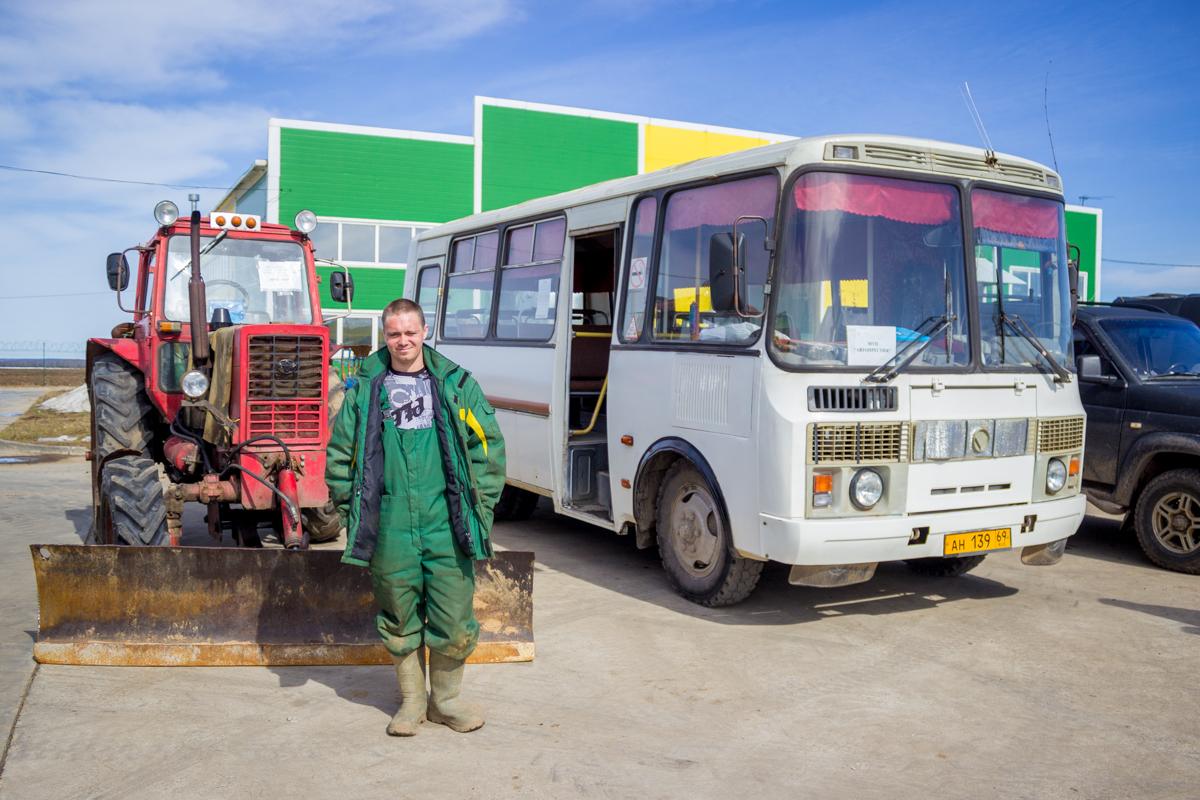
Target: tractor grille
<point>284,394</point>
<point>860,443</point>
<point>1060,435</point>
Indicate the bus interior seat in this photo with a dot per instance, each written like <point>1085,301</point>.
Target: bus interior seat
<point>589,359</point>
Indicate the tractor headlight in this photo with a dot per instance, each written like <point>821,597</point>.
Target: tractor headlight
<point>195,384</point>
<point>166,212</point>
<point>866,488</point>
<point>306,222</point>
<point>1056,476</point>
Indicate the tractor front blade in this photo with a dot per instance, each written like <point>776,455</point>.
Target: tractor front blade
<point>220,606</point>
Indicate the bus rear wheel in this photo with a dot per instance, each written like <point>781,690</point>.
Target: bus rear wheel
<point>944,567</point>
<point>515,505</point>
<point>694,542</point>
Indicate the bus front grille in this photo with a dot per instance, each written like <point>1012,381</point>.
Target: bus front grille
<point>1060,434</point>
<point>858,443</point>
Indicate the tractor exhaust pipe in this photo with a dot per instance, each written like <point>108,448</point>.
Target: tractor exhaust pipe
<point>197,302</point>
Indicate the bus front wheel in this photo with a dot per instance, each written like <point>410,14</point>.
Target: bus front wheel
<point>694,542</point>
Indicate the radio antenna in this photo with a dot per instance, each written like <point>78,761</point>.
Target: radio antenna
<point>1046,110</point>
<point>978,120</point>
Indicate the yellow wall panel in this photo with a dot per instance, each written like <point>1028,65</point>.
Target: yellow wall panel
<point>667,146</point>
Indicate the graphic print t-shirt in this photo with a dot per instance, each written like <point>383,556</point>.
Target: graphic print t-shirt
<point>410,399</point>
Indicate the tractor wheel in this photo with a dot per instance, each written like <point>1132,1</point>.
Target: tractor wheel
<point>323,523</point>
<point>121,420</point>
<point>120,408</point>
<point>944,567</point>
<point>132,510</point>
<point>514,505</point>
<point>694,542</point>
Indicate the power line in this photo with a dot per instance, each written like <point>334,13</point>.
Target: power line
<point>1149,263</point>
<point>111,180</point>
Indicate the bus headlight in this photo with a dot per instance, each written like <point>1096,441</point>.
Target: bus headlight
<point>1056,476</point>
<point>195,384</point>
<point>866,488</point>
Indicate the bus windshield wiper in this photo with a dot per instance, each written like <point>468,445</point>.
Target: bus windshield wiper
<point>892,367</point>
<point>207,248</point>
<point>1022,329</point>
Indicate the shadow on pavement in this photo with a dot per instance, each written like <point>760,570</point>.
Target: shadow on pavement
<point>374,687</point>
<point>614,563</point>
<point>1104,537</point>
<point>81,519</point>
<point>1188,617</point>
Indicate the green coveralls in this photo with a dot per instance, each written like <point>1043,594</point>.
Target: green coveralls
<point>422,582</point>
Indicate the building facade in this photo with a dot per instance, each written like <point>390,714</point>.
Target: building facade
<point>373,189</point>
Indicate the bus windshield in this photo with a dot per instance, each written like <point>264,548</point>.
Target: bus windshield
<point>1021,274</point>
<point>870,265</point>
<point>256,281</point>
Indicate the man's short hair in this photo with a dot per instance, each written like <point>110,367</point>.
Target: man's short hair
<point>402,305</point>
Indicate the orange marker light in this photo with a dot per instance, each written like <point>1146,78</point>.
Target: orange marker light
<point>627,440</point>
<point>250,223</point>
<point>221,219</point>
<point>1074,468</point>
<point>237,222</point>
<point>822,484</point>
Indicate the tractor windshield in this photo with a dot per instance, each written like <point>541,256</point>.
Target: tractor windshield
<point>255,280</point>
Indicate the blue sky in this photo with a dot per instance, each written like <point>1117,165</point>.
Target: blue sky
<point>154,92</point>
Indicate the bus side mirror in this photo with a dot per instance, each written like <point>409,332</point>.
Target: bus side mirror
<point>341,286</point>
<point>724,279</point>
<point>118,272</point>
<point>1073,277</point>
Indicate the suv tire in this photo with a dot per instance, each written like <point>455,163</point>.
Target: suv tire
<point>1167,520</point>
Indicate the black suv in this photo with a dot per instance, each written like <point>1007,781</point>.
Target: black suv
<point>1139,379</point>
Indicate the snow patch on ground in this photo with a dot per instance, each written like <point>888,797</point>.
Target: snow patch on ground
<point>70,402</point>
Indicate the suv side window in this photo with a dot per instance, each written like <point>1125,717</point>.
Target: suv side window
<point>1084,346</point>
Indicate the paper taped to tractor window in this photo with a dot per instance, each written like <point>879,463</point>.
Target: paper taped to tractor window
<point>870,345</point>
<point>280,276</point>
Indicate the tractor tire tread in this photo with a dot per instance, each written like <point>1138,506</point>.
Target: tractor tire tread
<point>132,494</point>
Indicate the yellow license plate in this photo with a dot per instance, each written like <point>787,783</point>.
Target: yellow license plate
<point>961,544</point>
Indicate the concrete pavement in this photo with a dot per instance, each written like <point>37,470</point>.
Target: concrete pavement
<point>1070,681</point>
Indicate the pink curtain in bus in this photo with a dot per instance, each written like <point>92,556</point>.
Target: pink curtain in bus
<point>1010,213</point>
<point>902,201</point>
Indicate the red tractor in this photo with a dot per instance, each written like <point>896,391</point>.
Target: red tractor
<point>221,379</point>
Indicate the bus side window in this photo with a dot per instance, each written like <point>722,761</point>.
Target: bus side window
<point>470,286</point>
<point>634,307</point>
<point>428,282</point>
<point>529,280</point>
<point>683,305</point>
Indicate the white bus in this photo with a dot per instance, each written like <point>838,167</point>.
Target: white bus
<point>830,352</point>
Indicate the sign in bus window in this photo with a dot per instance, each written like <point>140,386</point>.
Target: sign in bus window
<point>639,260</point>
<point>698,247</point>
<point>867,266</point>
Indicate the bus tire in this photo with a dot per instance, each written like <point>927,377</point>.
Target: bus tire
<point>694,541</point>
<point>514,505</point>
<point>944,567</point>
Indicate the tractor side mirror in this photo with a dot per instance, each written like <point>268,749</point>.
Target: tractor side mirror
<point>341,286</point>
<point>118,272</point>
<point>724,277</point>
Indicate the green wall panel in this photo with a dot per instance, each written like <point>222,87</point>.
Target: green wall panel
<point>530,154</point>
<point>374,288</point>
<point>373,177</point>
<point>1081,232</point>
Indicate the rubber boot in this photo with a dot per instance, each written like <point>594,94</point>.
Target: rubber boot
<point>445,706</point>
<point>413,701</point>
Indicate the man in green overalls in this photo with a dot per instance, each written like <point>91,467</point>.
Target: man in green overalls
<point>416,464</point>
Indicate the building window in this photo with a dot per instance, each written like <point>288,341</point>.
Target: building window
<point>365,241</point>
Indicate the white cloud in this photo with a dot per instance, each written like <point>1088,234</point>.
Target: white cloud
<point>142,44</point>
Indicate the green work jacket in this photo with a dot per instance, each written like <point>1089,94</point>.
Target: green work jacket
<point>471,455</point>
